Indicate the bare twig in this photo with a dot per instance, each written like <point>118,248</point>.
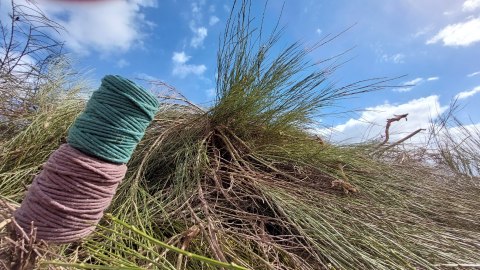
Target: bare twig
<point>406,138</point>
<point>380,151</point>
<point>389,122</point>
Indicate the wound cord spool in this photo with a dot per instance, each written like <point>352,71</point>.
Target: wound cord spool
<point>114,120</point>
<point>77,183</point>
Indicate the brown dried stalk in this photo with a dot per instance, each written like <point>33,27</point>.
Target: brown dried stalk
<point>389,122</point>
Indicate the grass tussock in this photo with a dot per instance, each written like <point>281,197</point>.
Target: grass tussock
<point>28,139</point>
<point>458,144</point>
<point>244,185</point>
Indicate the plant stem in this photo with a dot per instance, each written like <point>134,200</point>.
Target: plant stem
<point>175,249</point>
<point>89,266</point>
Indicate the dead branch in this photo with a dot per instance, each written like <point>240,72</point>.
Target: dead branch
<point>404,139</point>
<point>380,151</point>
<point>389,122</point>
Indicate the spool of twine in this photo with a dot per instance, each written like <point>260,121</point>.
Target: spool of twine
<point>114,120</point>
<point>67,199</point>
<point>77,183</point>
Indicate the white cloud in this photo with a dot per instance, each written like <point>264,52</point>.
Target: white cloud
<point>199,32</point>
<point>145,76</point>
<point>195,8</point>
<point>371,123</point>
<point>211,8</point>
<point>423,31</point>
<point>467,94</point>
<point>403,89</point>
<point>199,35</point>
<point>462,134</point>
<point>473,74</point>
<point>409,85</point>
<point>414,81</point>
<point>20,64</point>
<point>210,92</point>
<point>319,31</point>
<point>102,26</point>
<point>433,79</point>
<point>471,5</point>
<point>180,58</point>
<point>460,34</point>
<point>21,67</point>
<point>226,8</point>
<point>122,63</point>
<point>398,58</point>
<point>213,20</point>
<point>182,69</point>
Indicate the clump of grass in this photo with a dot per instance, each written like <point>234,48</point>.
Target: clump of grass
<point>28,52</point>
<point>457,146</point>
<point>35,135</point>
<point>244,182</point>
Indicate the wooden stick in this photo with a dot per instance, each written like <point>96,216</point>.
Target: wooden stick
<point>380,151</point>
<point>389,122</point>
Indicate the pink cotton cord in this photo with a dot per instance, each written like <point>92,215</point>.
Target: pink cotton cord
<point>67,198</point>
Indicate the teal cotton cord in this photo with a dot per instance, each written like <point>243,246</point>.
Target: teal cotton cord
<point>114,120</point>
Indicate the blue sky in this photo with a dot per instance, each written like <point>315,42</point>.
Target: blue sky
<point>436,44</point>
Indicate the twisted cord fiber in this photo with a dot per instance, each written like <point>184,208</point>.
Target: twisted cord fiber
<point>114,120</point>
<point>67,199</point>
<point>77,183</point>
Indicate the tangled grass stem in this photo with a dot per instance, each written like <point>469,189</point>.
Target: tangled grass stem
<point>175,249</point>
<point>88,266</point>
